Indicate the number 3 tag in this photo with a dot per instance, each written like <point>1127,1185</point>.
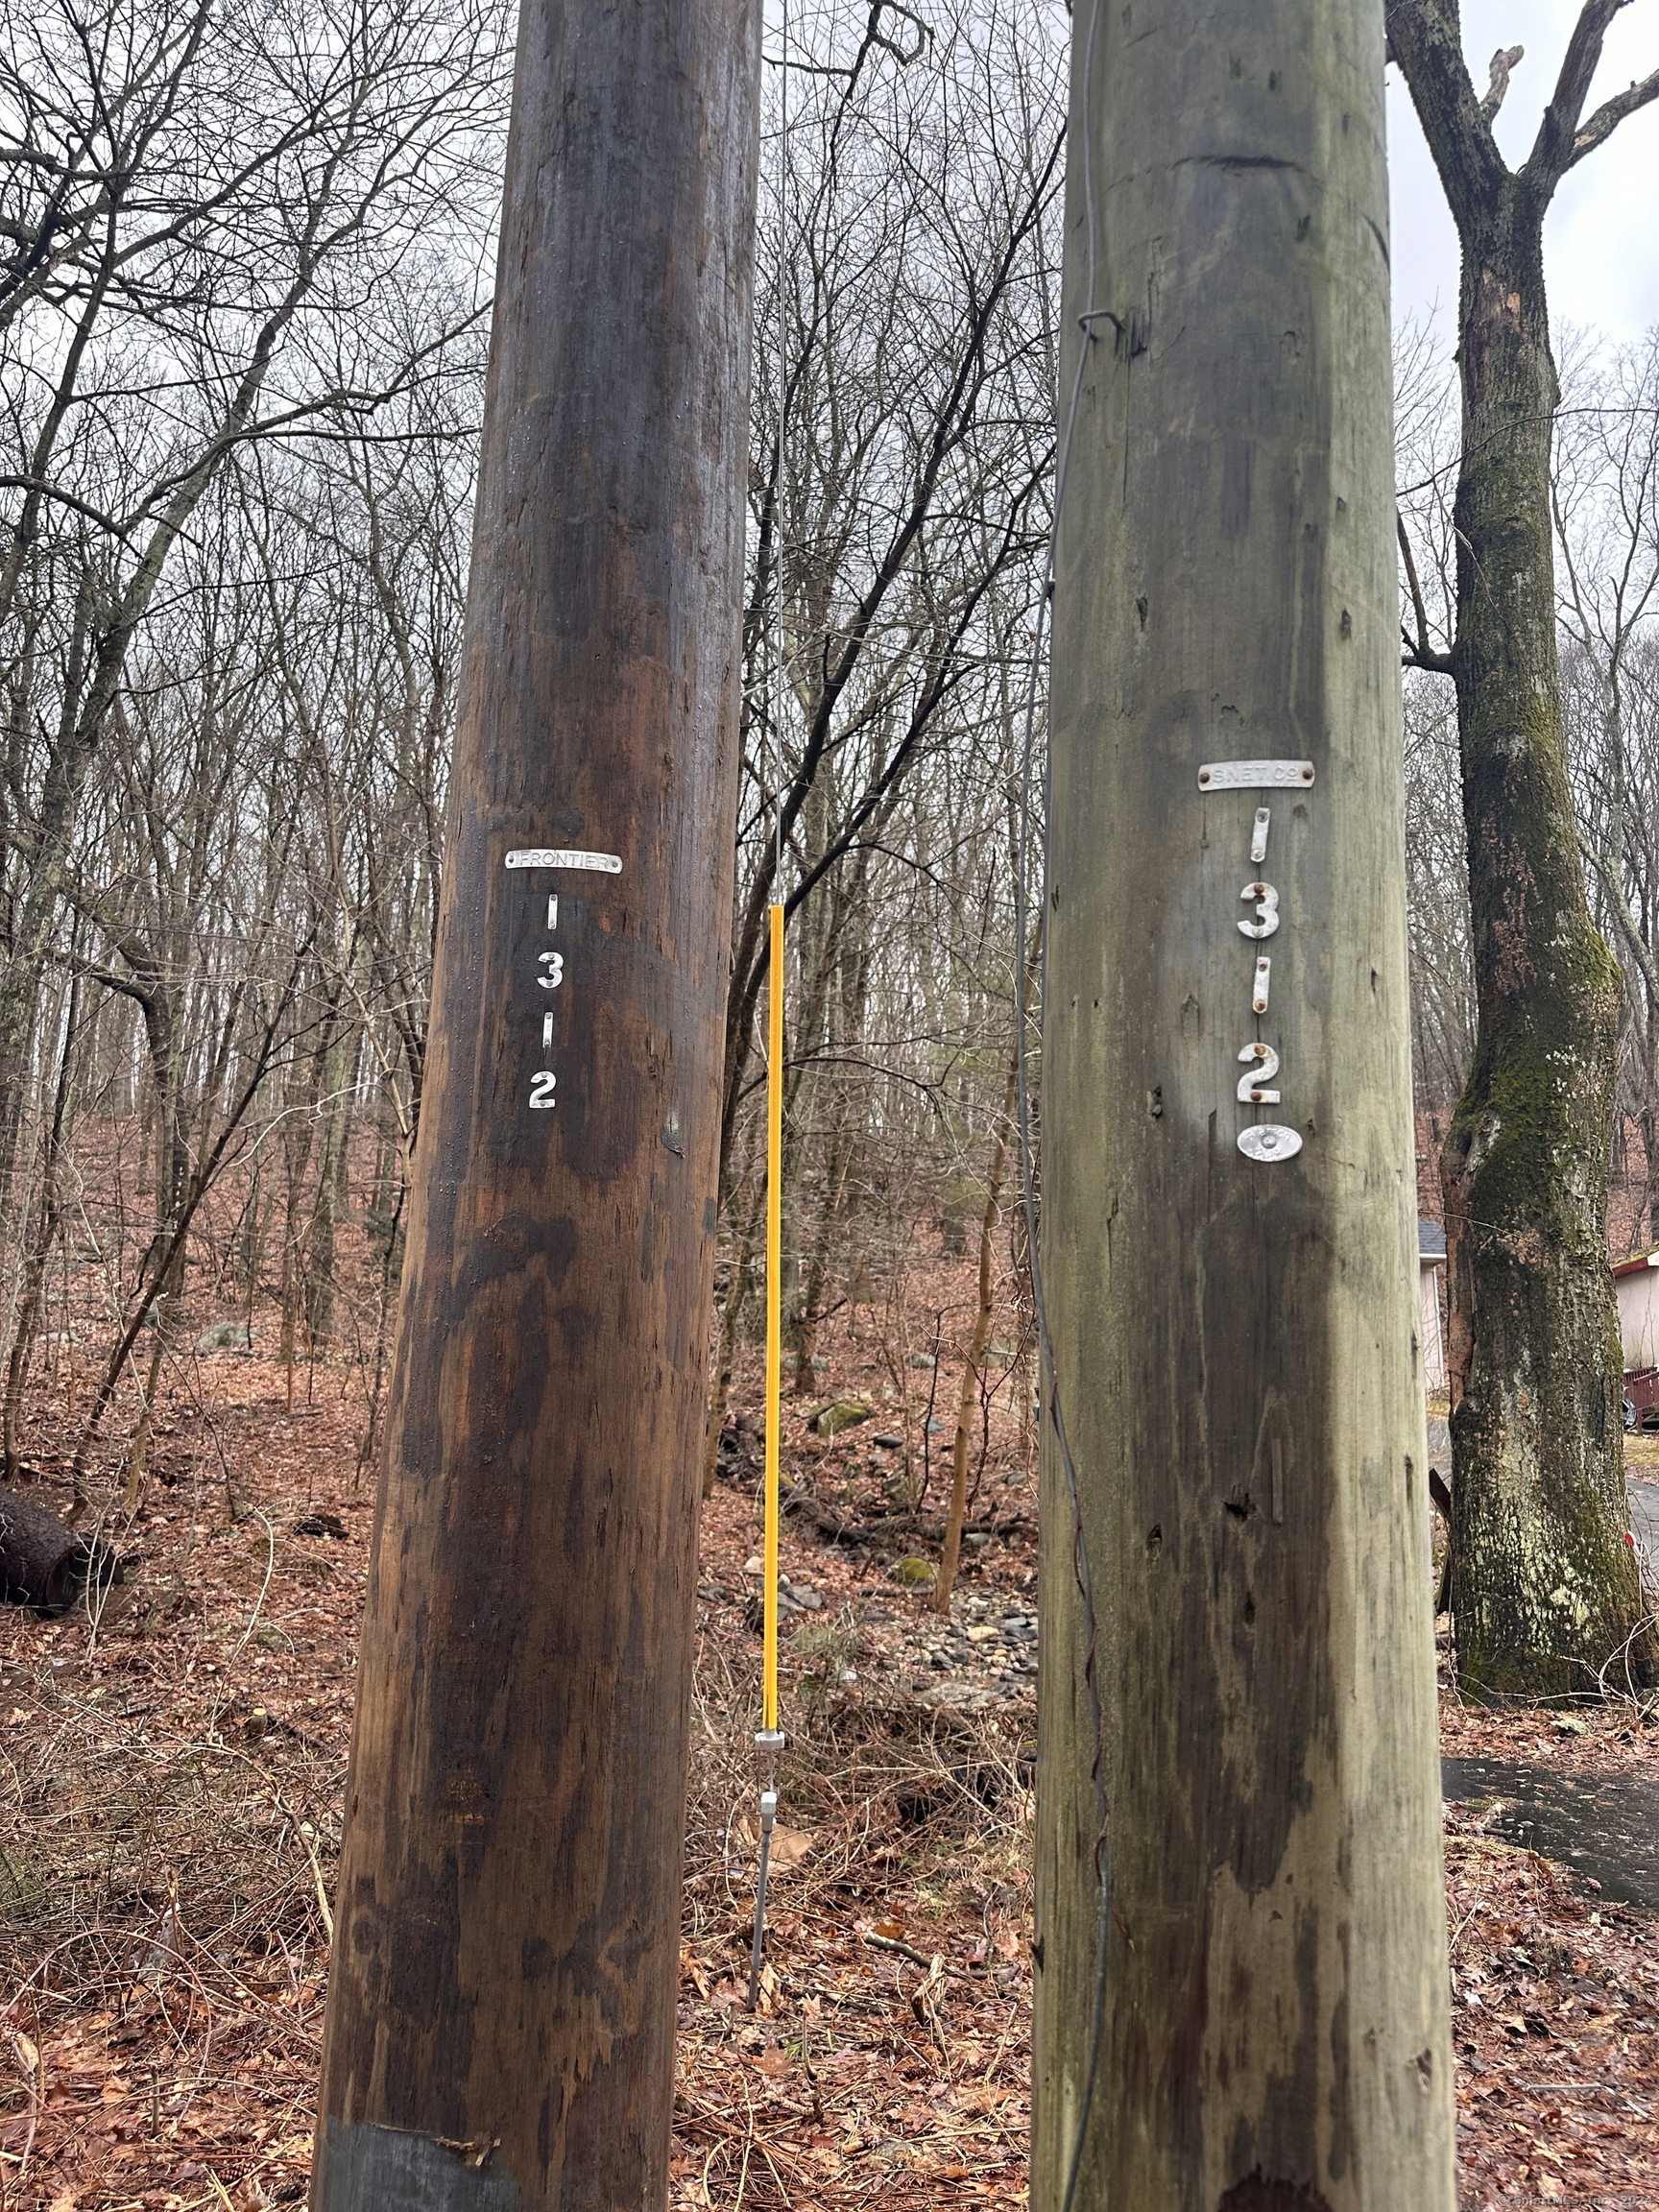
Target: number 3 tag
<point>1266,910</point>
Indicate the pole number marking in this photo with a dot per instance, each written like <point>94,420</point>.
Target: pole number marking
<point>1264,1066</point>
<point>550,965</point>
<point>1266,910</point>
<point>1262,1141</point>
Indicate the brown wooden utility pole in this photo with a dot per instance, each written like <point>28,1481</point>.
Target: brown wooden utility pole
<point>502,2002</point>
<point>1258,2021</point>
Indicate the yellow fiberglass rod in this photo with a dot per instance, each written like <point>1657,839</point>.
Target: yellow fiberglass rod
<point>769,1742</point>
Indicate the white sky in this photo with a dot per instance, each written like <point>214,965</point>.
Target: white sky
<point>1601,239</point>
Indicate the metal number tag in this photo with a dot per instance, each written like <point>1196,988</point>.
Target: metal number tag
<point>1266,910</point>
<point>1261,1065</point>
<point>1269,1141</point>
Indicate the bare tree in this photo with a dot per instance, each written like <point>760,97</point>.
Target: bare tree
<point>1606,504</point>
<point>1542,1585</point>
<point>906,336</point>
<point>198,211</point>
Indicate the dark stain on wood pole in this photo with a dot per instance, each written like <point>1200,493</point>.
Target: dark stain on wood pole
<point>1234,1340</point>
<point>502,2002</point>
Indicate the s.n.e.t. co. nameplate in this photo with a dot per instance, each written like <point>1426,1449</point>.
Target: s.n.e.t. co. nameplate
<point>1255,775</point>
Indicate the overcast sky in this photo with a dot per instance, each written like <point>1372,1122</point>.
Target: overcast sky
<point>1601,241</point>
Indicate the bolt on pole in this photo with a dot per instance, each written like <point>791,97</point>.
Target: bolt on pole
<point>1255,2013</point>
<point>502,1999</point>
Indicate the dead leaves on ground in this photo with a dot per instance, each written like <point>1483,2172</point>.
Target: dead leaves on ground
<point>169,1853</point>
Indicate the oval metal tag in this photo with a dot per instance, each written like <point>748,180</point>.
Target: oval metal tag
<point>1269,1141</point>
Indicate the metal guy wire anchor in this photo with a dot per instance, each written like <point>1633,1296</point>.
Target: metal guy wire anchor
<point>769,1742</point>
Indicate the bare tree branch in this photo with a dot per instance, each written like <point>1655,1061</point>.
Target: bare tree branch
<point>1419,653</point>
<point>1556,147</point>
<point>1425,38</point>
<point>1503,62</point>
<point>1611,113</point>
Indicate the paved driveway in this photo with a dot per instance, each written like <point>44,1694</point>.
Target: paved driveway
<point>1644,1516</point>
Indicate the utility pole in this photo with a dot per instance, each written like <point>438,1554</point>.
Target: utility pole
<point>501,2008</point>
<point>1257,2021</point>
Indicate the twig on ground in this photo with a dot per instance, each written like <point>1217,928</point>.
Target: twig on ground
<point>906,1951</point>
<point>32,2061</point>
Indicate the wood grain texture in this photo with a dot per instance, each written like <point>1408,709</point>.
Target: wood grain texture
<point>506,1968</point>
<point>1233,1342</point>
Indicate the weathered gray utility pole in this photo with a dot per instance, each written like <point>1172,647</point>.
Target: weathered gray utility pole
<point>502,2002</point>
<point>1228,1185</point>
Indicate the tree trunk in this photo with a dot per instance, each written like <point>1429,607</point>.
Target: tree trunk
<point>739,1282</point>
<point>502,2004</point>
<point>810,1310</point>
<point>320,1257</point>
<point>32,1297</point>
<point>45,1565</point>
<point>956,1512</point>
<point>33,918</point>
<point>336,1052</point>
<point>1242,1990</point>
<point>1543,1586</point>
<point>298,1136</point>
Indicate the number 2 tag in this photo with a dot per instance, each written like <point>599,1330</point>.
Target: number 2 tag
<point>1262,1066</point>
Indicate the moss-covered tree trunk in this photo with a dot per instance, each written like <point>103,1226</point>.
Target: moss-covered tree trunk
<point>1543,1586</point>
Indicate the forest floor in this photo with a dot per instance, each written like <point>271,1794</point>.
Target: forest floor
<point>172,1781</point>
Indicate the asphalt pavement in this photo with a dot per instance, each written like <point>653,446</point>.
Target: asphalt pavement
<point>1644,1514</point>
